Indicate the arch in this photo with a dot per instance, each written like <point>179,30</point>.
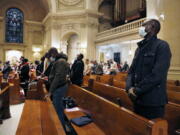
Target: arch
<point>68,34</point>
<point>70,44</point>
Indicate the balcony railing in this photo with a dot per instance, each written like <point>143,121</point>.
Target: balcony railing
<point>121,29</point>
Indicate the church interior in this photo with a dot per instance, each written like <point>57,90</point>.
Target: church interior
<point>102,32</point>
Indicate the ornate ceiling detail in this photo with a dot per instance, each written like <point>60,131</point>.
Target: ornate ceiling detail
<point>70,2</point>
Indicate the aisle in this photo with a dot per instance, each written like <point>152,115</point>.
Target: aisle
<point>9,126</point>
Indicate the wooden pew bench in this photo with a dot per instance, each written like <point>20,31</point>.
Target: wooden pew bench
<point>110,118</point>
<point>4,102</point>
<point>39,118</point>
<point>173,88</point>
<point>85,81</point>
<point>89,129</point>
<point>121,76</point>
<point>15,97</point>
<point>1,78</point>
<point>172,113</point>
<point>113,94</point>
<point>119,84</point>
<point>174,96</point>
<point>106,79</point>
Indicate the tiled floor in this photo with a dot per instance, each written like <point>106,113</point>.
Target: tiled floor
<point>9,126</point>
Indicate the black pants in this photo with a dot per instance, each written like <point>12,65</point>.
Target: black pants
<point>150,112</point>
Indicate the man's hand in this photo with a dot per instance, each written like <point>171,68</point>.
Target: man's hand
<point>48,95</point>
<point>132,94</point>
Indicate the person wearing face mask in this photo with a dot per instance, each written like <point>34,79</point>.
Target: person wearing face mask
<point>147,76</point>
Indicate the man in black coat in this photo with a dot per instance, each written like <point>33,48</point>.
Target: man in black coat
<point>77,70</point>
<point>147,76</point>
<point>24,75</point>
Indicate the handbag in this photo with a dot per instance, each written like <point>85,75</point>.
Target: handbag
<point>81,121</point>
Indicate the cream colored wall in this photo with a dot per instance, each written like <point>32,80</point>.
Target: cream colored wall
<point>79,18</point>
<point>170,29</point>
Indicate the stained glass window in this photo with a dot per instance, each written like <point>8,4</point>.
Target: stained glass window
<point>14,26</point>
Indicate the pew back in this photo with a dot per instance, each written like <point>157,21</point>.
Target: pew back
<point>112,94</point>
<point>174,96</point>
<point>4,101</point>
<point>172,113</point>
<point>113,119</point>
<point>106,79</point>
<point>173,88</point>
<point>119,84</point>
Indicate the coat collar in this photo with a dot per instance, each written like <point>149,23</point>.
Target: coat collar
<point>144,42</point>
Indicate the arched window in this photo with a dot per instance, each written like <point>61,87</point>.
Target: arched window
<point>14,26</point>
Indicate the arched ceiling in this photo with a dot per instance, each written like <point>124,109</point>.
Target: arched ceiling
<point>34,10</point>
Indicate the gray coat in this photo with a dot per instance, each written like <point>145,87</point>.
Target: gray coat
<point>58,74</point>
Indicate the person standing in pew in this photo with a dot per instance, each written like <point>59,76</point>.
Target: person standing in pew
<point>24,75</point>
<point>58,84</point>
<point>77,70</point>
<point>147,76</point>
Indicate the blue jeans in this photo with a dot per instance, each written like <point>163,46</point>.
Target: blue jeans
<point>58,103</point>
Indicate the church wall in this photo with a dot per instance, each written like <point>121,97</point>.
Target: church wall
<point>168,13</point>
<point>32,36</point>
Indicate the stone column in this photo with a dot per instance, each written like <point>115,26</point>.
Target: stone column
<point>168,13</point>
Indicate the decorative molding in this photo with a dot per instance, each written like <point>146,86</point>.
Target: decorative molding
<point>78,15</point>
<point>67,4</point>
<point>70,2</point>
<point>33,22</point>
<point>127,30</point>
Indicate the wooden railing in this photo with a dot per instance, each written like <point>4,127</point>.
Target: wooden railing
<point>120,29</point>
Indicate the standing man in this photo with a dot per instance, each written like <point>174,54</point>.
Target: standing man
<point>58,84</point>
<point>24,75</point>
<point>77,70</point>
<point>147,76</point>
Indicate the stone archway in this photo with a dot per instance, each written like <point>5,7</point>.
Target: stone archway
<point>71,45</point>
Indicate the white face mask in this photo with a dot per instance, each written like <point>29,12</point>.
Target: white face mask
<point>142,32</point>
<point>52,59</point>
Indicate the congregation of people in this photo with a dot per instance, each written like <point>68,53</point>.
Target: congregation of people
<point>145,82</point>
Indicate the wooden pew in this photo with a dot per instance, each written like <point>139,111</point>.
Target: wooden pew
<point>113,94</point>
<point>39,116</point>
<point>173,82</point>
<point>85,81</point>
<point>15,96</point>
<point>172,114</point>
<point>106,79</point>
<point>173,96</point>
<point>173,88</point>
<point>36,90</point>
<point>110,118</point>
<point>1,78</point>
<point>119,84</point>
<point>4,102</point>
<point>121,76</point>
